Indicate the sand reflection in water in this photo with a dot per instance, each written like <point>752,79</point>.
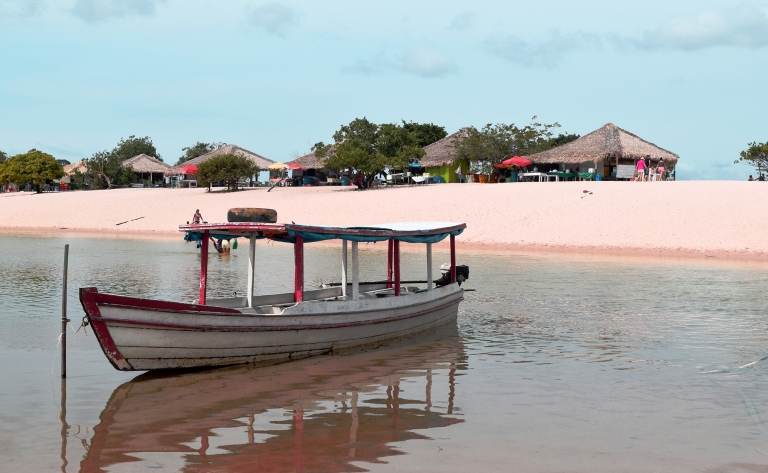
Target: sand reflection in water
<point>318,414</point>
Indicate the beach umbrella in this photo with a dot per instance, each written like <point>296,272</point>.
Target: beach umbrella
<point>516,161</point>
<point>276,167</point>
<point>296,167</point>
<point>189,169</point>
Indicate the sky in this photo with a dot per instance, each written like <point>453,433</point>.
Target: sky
<point>76,76</point>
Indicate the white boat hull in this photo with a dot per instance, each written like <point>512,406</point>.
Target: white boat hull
<point>139,334</point>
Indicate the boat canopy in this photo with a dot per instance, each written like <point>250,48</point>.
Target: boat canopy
<point>409,232</point>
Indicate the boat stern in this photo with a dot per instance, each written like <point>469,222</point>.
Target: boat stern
<point>89,301</point>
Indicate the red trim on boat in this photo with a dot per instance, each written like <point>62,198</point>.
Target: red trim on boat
<point>91,308</point>
<point>298,270</point>
<point>453,258</point>
<point>215,328</point>
<point>162,306</point>
<point>396,264</point>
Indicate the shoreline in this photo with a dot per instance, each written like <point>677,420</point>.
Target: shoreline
<point>472,247</point>
<point>684,219</point>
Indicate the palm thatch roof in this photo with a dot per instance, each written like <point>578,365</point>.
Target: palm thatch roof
<point>80,166</point>
<point>443,151</point>
<point>145,163</point>
<point>261,161</point>
<point>609,141</point>
<point>309,161</point>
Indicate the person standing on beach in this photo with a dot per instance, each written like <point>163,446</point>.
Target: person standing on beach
<point>640,170</point>
<point>197,218</point>
<point>647,167</point>
<point>660,169</point>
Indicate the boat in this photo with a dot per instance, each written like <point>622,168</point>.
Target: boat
<point>145,334</point>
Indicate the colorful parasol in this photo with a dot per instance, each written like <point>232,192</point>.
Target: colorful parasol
<point>189,169</point>
<point>516,161</point>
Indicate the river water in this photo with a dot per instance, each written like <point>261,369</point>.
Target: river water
<point>557,363</point>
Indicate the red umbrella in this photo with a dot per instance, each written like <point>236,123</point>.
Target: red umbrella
<point>517,161</point>
<point>189,169</point>
<point>296,166</point>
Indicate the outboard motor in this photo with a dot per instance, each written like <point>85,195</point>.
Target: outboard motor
<point>462,274</point>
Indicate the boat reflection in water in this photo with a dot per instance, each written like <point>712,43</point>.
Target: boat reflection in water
<point>317,414</point>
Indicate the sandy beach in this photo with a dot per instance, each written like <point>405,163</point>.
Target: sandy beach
<point>701,218</point>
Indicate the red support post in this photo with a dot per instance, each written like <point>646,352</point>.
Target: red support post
<point>203,266</point>
<point>389,262</point>
<point>298,275</point>
<point>453,258</point>
<point>396,258</point>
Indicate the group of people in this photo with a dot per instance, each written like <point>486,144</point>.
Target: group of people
<point>645,172</point>
<point>221,245</point>
<point>761,177</point>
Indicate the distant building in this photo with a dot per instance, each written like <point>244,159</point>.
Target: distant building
<point>146,166</point>
<point>441,158</point>
<point>262,162</point>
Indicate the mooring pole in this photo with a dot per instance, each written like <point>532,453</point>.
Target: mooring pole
<point>64,319</point>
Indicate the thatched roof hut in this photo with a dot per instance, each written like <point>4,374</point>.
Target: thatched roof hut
<point>609,142</point>
<point>80,166</point>
<point>143,163</point>
<point>442,151</point>
<point>309,161</point>
<point>261,161</point>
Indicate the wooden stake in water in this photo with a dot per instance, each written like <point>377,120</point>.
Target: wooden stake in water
<point>64,319</point>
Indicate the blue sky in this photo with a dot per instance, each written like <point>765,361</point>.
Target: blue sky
<point>276,77</point>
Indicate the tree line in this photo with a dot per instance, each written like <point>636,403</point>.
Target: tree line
<point>370,148</point>
<point>362,146</point>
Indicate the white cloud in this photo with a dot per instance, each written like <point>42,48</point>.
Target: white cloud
<point>21,8</point>
<point>274,18</point>
<point>426,62</point>
<point>423,62</point>
<point>97,11</point>
<point>463,21</point>
<point>546,53</point>
<point>741,26</point>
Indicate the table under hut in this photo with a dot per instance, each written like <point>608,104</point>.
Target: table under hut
<point>608,153</point>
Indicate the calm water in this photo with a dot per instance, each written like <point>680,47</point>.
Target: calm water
<point>558,363</point>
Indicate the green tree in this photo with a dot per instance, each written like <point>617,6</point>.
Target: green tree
<point>229,168</point>
<point>105,169</point>
<point>198,149</point>
<point>369,149</point>
<point>495,143</point>
<point>425,133</point>
<point>3,157</point>
<point>134,146</point>
<point>34,167</point>
<point>756,155</point>
<point>562,139</point>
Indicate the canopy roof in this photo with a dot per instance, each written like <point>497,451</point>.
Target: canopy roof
<point>261,161</point>
<point>309,161</point>
<point>409,232</point>
<point>145,163</point>
<point>80,166</point>
<point>609,141</point>
<point>443,151</point>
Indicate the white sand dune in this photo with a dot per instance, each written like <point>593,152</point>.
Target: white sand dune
<point>697,218</point>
